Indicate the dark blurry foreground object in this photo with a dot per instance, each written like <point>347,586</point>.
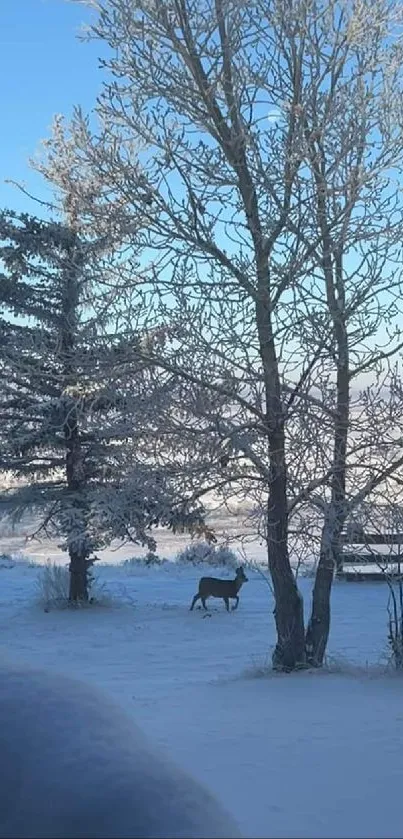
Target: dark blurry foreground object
<point>72,764</point>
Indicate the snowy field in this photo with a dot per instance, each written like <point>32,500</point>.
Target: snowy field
<point>300,755</point>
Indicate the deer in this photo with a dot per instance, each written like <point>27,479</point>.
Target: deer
<point>213,587</point>
<point>74,764</point>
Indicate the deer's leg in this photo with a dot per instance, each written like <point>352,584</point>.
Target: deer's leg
<point>195,599</point>
<point>236,603</point>
<point>226,601</point>
<point>203,600</point>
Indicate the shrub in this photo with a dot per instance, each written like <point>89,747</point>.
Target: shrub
<point>6,561</point>
<point>147,560</point>
<point>53,584</point>
<point>198,553</point>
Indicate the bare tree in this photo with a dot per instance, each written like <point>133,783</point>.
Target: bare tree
<point>351,129</point>
<point>236,145</point>
<point>370,460</point>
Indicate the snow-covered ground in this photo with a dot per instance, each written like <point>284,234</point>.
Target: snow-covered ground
<point>301,755</point>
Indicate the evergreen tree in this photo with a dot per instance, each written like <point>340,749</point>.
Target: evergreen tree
<point>80,409</point>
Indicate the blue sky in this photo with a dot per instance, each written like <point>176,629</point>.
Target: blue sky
<point>45,70</point>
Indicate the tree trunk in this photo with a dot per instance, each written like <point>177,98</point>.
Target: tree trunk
<point>289,652</point>
<point>75,476</point>
<point>332,263</point>
<point>318,628</point>
<point>77,539</point>
<point>290,648</point>
<point>78,590</point>
<point>319,624</point>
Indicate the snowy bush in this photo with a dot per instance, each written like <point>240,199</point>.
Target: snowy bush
<point>152,559</point>
<point>199,553</point>
<point>147,560</point>
<point>6,561</point>
<point>11,560</point>
<point>53,584</point>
